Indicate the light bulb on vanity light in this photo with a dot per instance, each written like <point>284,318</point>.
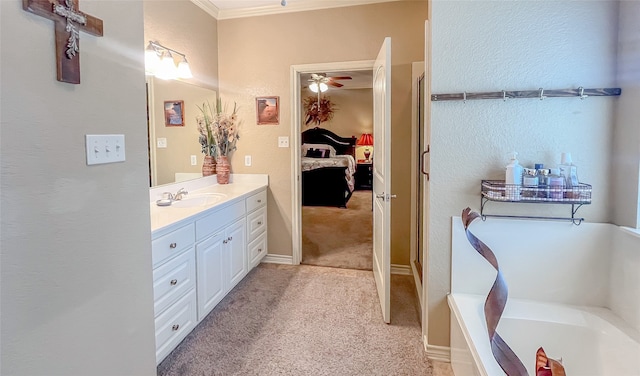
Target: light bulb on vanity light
<point>167,69</point>
<point>184,71</point>
<point>151,59</point>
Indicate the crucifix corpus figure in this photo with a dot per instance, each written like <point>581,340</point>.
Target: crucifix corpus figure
<point>69,21</point>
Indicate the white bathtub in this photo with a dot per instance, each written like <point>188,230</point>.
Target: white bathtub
<point>590,341</point>
<point>577,295</point>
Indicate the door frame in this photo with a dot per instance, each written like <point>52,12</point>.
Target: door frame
<point>295,129</point>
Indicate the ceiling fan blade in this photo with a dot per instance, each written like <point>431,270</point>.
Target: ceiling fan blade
<point>340,78</point>
<point>334,84</point>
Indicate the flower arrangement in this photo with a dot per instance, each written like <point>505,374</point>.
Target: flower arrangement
<point>318,110</point>
<point>218,131</point>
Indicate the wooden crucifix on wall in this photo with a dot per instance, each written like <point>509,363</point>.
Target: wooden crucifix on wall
<point>69,21</point>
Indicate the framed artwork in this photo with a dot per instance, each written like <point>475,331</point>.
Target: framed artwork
<point>174,113</point>
<point>268,110</point>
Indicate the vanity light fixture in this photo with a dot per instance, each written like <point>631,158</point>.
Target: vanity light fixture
<point>159,62</point>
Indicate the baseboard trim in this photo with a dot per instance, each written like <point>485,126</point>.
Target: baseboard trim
<point>438,353</point>
<point>278,259</point>
<point>400,269</point>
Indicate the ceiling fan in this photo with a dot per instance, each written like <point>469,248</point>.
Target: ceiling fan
<point>320,82</point>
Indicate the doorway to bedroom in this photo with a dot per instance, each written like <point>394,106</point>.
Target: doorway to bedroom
<point>334,138</point>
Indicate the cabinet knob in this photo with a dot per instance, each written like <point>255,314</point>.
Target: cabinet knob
<point>259,201</point>
<point>259,250</point>
<point>225,241</point>
<point>230,238</point>
<point>173,245</point>
<point>260,222</point>
<point>175,327</point>
<point>174,282</point>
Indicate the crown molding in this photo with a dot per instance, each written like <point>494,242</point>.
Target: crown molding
<point>225,14</point>
<point>208,7</point>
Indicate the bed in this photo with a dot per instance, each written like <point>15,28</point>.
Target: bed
<point>328,165</point>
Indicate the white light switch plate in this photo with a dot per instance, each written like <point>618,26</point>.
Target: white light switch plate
<point>247,160</point>
<point>104,148</point>
<point>283,142</point>
<point>194,160</point>
<point>162,142</point>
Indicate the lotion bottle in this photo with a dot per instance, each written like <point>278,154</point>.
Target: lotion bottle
<point>513,179</point>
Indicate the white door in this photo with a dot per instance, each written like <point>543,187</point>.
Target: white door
<point>382,177</point>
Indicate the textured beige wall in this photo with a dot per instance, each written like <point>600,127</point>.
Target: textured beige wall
<point>255,56</point>
<point>77,294</point>
<point>353,117</point>
<point>537,47</point>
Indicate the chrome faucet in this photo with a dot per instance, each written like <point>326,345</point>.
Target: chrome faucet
<point>180,194</point>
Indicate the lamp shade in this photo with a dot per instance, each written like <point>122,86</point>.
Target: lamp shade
<point>365,140</point>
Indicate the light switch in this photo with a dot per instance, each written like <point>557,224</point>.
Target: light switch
<point>194,160</point>
<point>247,160</point>
<point>104,148</point>
<point>162,142</point>
<point>283,142</point>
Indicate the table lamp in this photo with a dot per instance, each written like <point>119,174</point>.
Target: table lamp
<point>366,140</point>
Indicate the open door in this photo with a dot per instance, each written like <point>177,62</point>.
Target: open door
<point>382,177</point>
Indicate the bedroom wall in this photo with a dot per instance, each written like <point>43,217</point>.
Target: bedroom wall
<point>255,56</point>
<point>540,44</point>
<point>354,114</point>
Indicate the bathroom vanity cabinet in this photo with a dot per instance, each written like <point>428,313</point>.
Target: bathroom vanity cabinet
<point>198,259</point>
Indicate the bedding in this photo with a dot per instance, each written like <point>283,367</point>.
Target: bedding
<point>346,161</point>
<point>328,165</point>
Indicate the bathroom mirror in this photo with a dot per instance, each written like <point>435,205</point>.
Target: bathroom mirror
<point>174,151</point>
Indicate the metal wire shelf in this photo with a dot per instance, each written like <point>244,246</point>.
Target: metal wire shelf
<point>499,191</point>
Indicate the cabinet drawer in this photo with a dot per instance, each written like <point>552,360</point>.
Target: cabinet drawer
<point>171,244</point>
<point>257,250</point>
<point>256,223</point>
<point>173,279</point>
<point>174,324</point>
<point>218,219</point>
<point>257,200</point>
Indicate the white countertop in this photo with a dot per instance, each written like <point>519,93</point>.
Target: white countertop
<point>164,216</point>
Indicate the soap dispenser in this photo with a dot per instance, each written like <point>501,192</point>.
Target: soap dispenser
<point>513,179</point>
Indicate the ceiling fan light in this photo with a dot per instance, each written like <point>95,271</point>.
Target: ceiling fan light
<point>323,87</point>
<point>314,87</point>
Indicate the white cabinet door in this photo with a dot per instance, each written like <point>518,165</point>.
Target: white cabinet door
<point>211,260</point>
<point>236,249</point>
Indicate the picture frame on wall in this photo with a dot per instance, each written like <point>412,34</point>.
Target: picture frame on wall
<point>174,113</point>
<point>268,110</point>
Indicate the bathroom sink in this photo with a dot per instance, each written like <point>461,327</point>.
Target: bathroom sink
<point>201,199</point>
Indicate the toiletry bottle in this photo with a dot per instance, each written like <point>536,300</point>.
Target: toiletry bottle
<point>513,179</point>
<point>529,183</point>
<point>568,170</point>
<point>556,185</point>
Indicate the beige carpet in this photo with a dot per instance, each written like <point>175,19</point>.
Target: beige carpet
<point>305,320</point>
<point>339,237</point>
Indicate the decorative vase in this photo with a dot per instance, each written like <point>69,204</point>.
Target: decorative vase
<point>223,169</point>
<point>208,166</point>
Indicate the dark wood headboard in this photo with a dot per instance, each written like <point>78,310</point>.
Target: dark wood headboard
<point>343,145</point>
